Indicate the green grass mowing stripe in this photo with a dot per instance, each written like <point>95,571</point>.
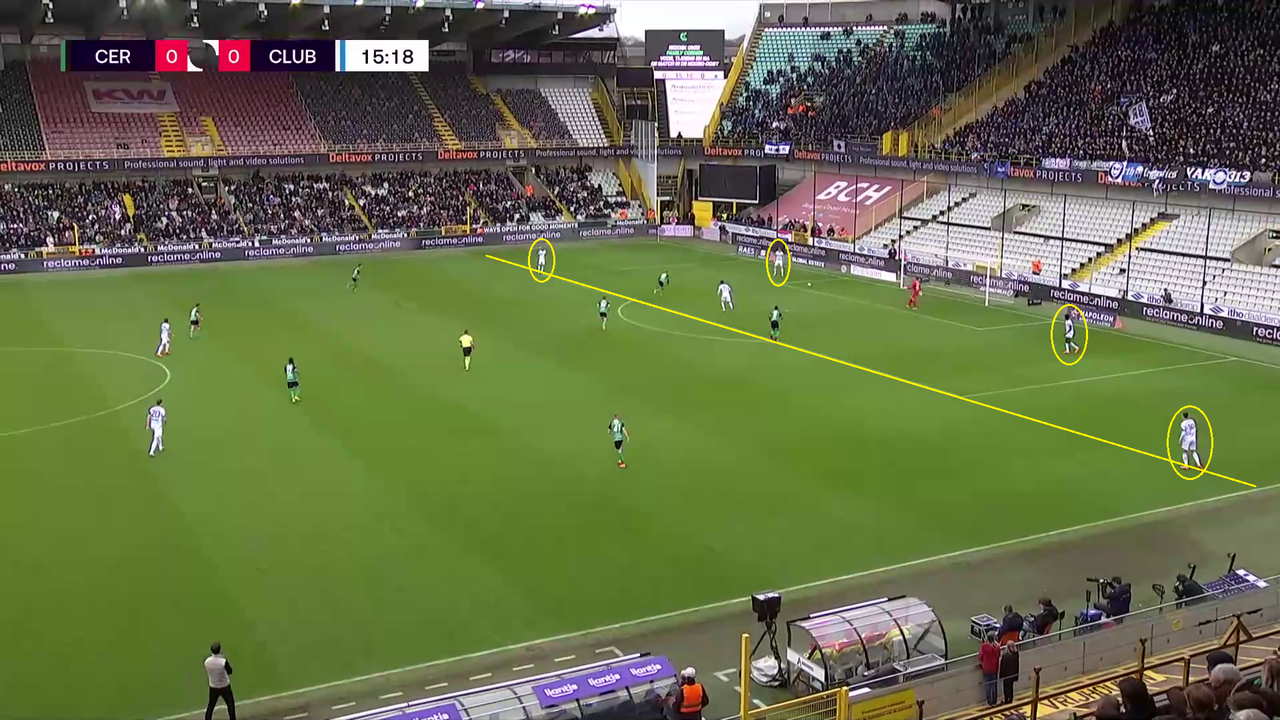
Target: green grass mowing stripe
<point>887,376</point>
<point>709,607</point>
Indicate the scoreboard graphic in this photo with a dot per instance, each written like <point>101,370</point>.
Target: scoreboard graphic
<point>684,49</point>
<point>246,56</point>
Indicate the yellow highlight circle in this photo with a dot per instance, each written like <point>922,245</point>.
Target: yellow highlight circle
<point>1053,338</point>
<point>545,276</point>
<point>768,271</point>
<point>1168,450</point>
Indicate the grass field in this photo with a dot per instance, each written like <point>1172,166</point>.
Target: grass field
<point>406,511</point>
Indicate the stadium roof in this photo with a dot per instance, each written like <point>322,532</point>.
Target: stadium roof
<point>498,23</point>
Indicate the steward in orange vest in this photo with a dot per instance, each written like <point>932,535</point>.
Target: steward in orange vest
<point>690,697</point>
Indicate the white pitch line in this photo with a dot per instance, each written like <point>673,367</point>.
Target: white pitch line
<point>342,706</point>
<point>732,602</point>
<point>1100,377</point>
<point>678,332</point>
<point>566,658</point>
<point>481,676</point>
<point>724,674</point>
<point>437,686</point>
<point>151,393</point>
<point>388,696</point>
<point>521,668</point>
<point>966,326</point>
<point>1024,313</point>
<point>299,716</point>
<point>754,701</point>
<point>1015,325</point>
<point>610,649</point>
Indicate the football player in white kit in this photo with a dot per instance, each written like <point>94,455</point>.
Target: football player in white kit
<point>1069,333</point>
<point>726,295</point>
<point>542,259</point>
<point>155,421</point>
<point>778,259</point>
<point>163,349</point>
<point>1189,441</point>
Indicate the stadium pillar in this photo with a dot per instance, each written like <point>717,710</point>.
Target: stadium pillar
<point>644,139</point>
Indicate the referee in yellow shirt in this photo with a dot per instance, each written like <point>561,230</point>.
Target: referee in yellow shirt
<point>468,344</point>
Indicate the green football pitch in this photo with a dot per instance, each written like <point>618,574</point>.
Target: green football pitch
<point>406,511</point>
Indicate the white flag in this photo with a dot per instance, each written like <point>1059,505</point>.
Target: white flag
<point>1139,118</point>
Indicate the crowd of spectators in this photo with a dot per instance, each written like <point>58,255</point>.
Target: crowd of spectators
<point>175,211</point>
<point>470,113</point>
<point>869,89</point>
<point>580,193</point>
<point>167,211</point>
<point>1199,65</point>
<point>1226,695</point>
<point>294,204</point>
<point>49,213</point>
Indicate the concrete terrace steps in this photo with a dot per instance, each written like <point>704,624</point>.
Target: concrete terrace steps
<point>503,110</point>
<point>437,118</point>
<point>1121,249</point>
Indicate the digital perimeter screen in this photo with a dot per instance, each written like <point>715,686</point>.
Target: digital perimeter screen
<point>684,49</point>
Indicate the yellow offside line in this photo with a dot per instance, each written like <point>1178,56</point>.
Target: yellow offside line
<point>887,376</point>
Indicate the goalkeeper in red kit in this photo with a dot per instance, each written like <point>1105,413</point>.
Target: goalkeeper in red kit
<point>913,303</point>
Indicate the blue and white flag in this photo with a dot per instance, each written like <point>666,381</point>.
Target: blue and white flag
<point>1139,117</point>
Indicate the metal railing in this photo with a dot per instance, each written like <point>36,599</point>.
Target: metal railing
<point>1236,636</point>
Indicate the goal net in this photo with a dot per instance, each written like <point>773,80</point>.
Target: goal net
<point>958,273</point>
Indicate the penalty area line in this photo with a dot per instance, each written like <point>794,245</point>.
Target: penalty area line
<point>877,373</point>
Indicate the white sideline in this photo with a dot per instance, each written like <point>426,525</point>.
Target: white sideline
<point>1033,315</point>
<point>735,601</point>
<point>1101,377</point>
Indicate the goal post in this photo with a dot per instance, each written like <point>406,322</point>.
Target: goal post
<point>933,268</point>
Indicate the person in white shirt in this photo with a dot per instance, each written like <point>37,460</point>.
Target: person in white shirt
<point>1069,333</point>
<point>726,295</point>
<point>218,669</point>
<point>155,421</point>
<point>163,349</point>
<point>1189,441</point>
<point>542,259</point>
<point>778,257</point>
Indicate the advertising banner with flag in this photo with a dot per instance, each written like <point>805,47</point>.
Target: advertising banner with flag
<point>130,97</point>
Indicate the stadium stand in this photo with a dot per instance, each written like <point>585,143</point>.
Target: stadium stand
<point>469,111</point>
<point>811,84</point>
<point>293,204</point>
<point>72,130</point>
<point>170,211</point>
<point>20,133</point>
<point>589,194</point>
<point>534,112</point>
<point>410,200</point>
<point>1196,64</point>
<point>576,110</point>
<point>1116,245</point>
<point>48,213</point>
<point>253,112</point>
<point>367,109</point>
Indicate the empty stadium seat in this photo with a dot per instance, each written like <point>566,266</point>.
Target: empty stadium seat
<point>254,112</point>
<point>470,112</point>
<point>72,130</point>
<point>20,133</point>
<point>578,113</point>
<point>534,112</point>
<point>366,109</point>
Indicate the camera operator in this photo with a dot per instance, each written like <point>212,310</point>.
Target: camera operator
<point>1115,595</point>
<point>1045,619</point>
<point>1010,626</point>
<point>1186,589</point>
